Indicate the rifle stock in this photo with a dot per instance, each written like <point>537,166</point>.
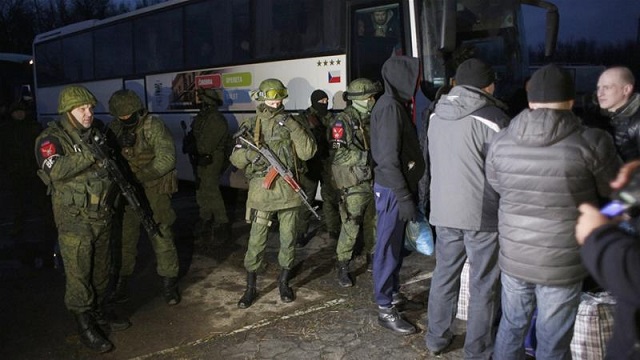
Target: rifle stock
<point>126,188</point>
<point>276,167</point>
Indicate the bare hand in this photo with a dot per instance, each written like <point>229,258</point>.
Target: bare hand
<point>624,175</point>
<point>589,219</point>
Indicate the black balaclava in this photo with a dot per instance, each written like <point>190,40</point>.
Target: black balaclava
<point>322,109</point>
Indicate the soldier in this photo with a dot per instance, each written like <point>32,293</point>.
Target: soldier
<point>316,119</point>
<point>292,144</point>
<point>81,195</point>
<point>147,146</point>
<point>352,171</point>
<point>211,136</point>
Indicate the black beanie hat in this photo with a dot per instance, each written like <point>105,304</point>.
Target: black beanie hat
<point>474,72</point>
<point>550,84</point>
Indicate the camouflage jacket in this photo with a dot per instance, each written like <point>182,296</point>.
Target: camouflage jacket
<point>152,158</point>
<point>349,139</point>
<point>289,141</point>
<point>79,186</point>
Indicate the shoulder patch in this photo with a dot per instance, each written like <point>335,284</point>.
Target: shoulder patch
<point>337,131</point>
<point>48,149</point>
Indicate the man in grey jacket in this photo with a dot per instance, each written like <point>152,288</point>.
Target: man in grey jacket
<point>464,210</point>
<point>544,165</point>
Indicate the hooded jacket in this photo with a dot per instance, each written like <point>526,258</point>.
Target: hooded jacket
<point>398,161</point>
<point>544,165</point>
<point>626,128</point>
<point>459,132</point>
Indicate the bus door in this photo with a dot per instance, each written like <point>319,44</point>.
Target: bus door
<point>377,31</point>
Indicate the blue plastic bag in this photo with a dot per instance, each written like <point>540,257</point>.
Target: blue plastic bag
<point>418,235</point>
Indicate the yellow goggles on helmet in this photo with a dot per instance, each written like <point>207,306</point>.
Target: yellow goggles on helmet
<point>273,94</point>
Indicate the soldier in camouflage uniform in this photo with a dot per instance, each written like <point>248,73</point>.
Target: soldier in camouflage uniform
<point>147,146</point>
<point>288,140</point>
<point>316,119</point>
<point>352,171</point>
<point>212,134</point>
<point>82,198</point>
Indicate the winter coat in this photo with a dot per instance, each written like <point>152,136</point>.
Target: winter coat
<point>544,165</point>
<point>395,148</point>
<point>459,132</point>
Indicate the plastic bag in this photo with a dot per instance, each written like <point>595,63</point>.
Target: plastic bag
<point>418,235</point>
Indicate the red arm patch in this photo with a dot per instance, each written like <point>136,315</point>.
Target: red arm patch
<point>337,131</point>
<point>47,149</point>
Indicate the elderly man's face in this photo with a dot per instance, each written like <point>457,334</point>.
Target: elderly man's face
<point>612,92</point>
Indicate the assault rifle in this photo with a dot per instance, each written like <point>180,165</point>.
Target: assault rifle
<point>96,144</point>
<point>276,168</point>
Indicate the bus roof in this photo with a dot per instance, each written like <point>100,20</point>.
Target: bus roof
<point>87,24</point>
<point>15,58</point>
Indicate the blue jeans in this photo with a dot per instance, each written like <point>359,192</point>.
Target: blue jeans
<point>557,309</point>
<point>453,246</point>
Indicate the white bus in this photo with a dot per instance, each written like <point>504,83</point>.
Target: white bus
<point>167,51</point>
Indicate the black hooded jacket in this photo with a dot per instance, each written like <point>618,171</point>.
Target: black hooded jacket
<point>395,148</point>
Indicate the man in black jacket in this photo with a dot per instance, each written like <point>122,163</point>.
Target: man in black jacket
<point>399,165</point>
<point>618,101</point>
<point>612,257</point>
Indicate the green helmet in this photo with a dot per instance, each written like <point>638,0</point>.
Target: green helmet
<point>74,96</point>
<point>362,89</point>
<point>124,102</point>
<point>270,89</point>
<point>209,96</point>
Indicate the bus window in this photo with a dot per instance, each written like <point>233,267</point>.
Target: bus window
<point>290,28</point>
<point>158,42</point>
<point>114,51</point>
<point>78,65</point>
<point>49,64</point>
<point>377,34</point>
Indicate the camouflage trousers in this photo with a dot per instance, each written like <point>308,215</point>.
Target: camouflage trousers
<point>258,236</point>
<point>330,199</point>
<point>357,209</point>
<point>208,195</point>
<point>163,245</point>
<point>84,246</point>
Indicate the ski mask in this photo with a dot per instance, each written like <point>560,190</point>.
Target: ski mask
<point>321,108</point>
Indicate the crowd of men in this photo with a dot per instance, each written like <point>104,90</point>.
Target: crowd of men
<point>505,194</point>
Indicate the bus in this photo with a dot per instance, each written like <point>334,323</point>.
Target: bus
<point>16,78</point>
<point>167,51</point>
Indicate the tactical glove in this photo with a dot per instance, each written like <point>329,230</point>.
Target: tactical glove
<point>127,139</point>
<point>407,210</point>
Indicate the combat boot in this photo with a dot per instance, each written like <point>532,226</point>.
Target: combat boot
<point>390,318</point>
<point>251,293</point>
<point>344,279</point>
<point>120,294</point>
<point>107,318</point>
<point>286,293</point>
<point>369,262</point>
<point>90,335</point>
<point>170,290</point>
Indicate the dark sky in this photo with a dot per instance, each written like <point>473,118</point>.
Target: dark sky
<point>600,20</point>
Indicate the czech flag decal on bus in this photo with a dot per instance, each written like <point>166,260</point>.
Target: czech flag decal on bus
<point>334,76</point>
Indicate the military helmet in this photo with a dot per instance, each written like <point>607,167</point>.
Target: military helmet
<point>209,96</point>
<point>270,89</point>
<point>124,102</point>
<point>74,96</point>
<point>362,89</point>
